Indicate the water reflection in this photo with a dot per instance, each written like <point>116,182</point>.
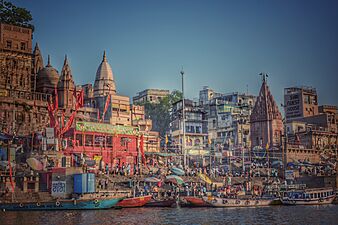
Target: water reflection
<point>172,216</point>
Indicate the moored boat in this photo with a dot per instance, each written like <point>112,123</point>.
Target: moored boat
<point>239,202</point>
<point>192,201</point>
<point>134,202</point>
<point>98,203</point>
<point>171,202</point>
<point>315,196</point>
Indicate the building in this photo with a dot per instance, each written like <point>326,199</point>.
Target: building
<point>196,132</point>
<point>229,119</point>
<point>150,95</point>
<point>207,94</point>
<point>266,126</point>
<point>300,102</point>
<point>151,138</point>
<point>23,110</point>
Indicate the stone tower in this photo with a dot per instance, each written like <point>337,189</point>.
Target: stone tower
<point>66,86</point>
<point>266,120</point>
<point>37,65</point>
<point>104,80</point>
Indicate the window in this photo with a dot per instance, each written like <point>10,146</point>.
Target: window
<point>78,139</point>
<point>23,46</point>
<point>89,140</point>
<point>9,44</point>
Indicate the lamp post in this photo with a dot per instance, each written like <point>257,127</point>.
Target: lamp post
<point>183,123</point>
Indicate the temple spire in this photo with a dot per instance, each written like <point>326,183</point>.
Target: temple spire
<point>48,62</point>
<point>104,56</point>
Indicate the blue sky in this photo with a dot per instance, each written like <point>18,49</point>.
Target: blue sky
<point>221,44</point>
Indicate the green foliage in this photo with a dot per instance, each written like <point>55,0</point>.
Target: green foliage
<point>11,14</point>
<point>160,113</point>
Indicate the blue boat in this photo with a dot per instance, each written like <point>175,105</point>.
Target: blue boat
<point>87,204</point>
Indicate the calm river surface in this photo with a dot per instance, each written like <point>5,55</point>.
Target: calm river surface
<point>327,214</point>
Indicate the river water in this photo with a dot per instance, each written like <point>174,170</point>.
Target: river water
<point>319,215</point>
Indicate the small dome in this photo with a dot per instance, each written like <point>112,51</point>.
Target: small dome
<point>47,79</point>
<point>104,81</point>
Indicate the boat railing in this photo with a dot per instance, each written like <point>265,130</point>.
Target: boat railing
<point>292,187</point>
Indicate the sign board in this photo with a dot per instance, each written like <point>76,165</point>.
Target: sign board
<point>58,188</point>
<point>50,135</point>
<point>289,175</point>
<point>3,93</point>
<point>106,128</point>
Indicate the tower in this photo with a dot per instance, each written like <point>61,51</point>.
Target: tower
<point>266,120</point>
<point>66,86</point>
<point>104,80</point>
<point>37,65</point>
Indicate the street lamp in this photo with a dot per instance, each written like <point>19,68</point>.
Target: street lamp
<point>183,123</point>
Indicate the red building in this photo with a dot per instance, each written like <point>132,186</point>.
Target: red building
<point>115,144</point>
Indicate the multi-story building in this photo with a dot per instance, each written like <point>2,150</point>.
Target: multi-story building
<point>196,132</point>
<point>151,138</point>
<point>22,109</point>
<point>229,119</point>
<point>207,94</point>
<point>300,102</point>
<point>150,95</point>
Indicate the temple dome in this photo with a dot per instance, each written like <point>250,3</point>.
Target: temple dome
<point>104,81</point>
<point>47,79</point>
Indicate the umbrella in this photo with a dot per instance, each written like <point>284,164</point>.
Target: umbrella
<point>174,179</point>
<point>34,164</point>
<point>152,179</point>
<point>177,171</point>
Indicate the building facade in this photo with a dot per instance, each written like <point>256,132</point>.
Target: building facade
<point>150,95</point>
<point>196,131</point>
<point>300,102</point>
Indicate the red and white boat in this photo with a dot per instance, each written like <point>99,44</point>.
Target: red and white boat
<point>134,202</point>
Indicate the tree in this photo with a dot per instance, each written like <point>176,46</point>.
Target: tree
<point>11,14</point>
<point>159,113</point>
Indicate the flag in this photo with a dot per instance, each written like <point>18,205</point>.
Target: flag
<point>166,139</point>
<point>79,100</point>
<point>63,119</point>
<point>69,123</point>
<point>106,106</point>
<point>209,141</point>
<point>267,146</point>
<point>98,114</point>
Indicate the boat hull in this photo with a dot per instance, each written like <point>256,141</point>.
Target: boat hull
<point>134,202</point>
<point>161,203</point>
<point>235,202</point>
<point>191,201</point>
<point>317,201</point>
<point>62,205</point>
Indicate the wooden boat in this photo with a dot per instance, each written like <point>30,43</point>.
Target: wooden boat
<point>316,196</point>
<point>191,201</point>
<point>171,202</point>
<point>134,202</point>
<point>239,202</point>
<point>99,203</point>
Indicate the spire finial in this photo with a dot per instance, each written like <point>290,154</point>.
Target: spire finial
<point>264,76</point>
<point>104,56</point>
<point>66,60</point>
<point>48,63</point>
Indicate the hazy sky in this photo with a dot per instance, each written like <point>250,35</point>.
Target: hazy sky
<point>221,44</point>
